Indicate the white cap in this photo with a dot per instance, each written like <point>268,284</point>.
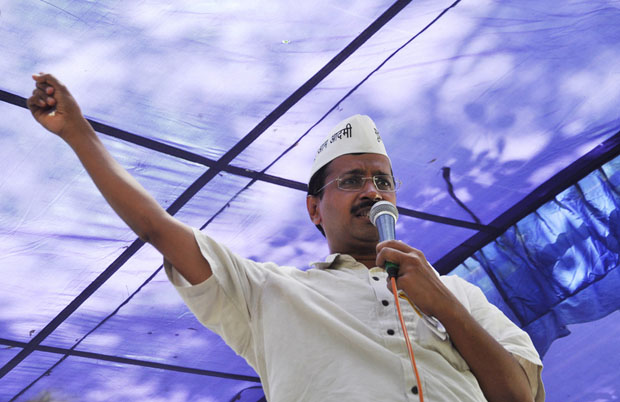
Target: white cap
<point>356,134</point>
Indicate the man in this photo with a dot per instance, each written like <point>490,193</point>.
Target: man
<point>329,333</point>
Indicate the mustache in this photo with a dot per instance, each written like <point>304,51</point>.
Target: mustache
<point>364,204</point>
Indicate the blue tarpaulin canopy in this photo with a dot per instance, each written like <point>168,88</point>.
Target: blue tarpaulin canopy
<point>501,120</point>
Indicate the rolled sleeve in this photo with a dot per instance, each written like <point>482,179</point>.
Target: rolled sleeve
<point>222,303</point>
<point>509,335</point>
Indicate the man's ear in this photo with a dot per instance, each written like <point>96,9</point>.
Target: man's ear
<point>312,203</point>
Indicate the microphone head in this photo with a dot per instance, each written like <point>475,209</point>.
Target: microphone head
<point>380,208</point>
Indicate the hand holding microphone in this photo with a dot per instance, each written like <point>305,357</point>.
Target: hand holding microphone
<point>384,215</point>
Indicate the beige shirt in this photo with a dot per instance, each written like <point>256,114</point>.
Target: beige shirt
<point>332,333</point>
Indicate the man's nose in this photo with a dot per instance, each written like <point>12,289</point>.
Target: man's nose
<point>369,190</point>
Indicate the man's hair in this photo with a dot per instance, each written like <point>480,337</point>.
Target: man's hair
<point>315,187</point>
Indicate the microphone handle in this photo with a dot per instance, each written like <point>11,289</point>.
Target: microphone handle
<point>385,225</point>
<point>392,269</point>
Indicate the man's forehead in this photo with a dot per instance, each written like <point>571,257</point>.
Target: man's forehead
<point>374,163</point>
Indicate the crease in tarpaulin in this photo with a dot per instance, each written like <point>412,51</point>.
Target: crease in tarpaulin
<point>558,265</point>
<point>446,177</point>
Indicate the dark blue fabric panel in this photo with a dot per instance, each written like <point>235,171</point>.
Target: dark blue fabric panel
<point>557,266</point>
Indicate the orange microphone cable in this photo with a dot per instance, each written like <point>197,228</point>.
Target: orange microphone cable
<point>404,327</point>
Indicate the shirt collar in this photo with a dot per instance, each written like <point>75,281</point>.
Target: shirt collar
<point>337,260</point>
<point>334,261</point>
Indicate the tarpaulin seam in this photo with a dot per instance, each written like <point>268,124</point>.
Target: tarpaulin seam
<point>239,171</point>
<point>130,361</point>
<point>498,285</point>
<point>166,149</point>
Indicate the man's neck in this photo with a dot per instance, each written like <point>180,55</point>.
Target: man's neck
<point>369,261</point>
<point>365,254</point>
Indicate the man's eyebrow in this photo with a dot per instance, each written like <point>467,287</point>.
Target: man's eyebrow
<point>363,172</point>
<point>354,171</point>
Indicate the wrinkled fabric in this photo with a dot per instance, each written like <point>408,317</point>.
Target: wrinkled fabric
<point>326,334</point>
<point>504,94</point>
<point>557,266</point>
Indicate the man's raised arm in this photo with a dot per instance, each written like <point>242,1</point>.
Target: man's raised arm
<point>55,109</point>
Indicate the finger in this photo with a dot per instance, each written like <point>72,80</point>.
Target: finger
<point>50,79</point>
<point>413,257</point>
<point>38,77</point>
<point>391,255</point>
<point>39,93</point>
<point>45,87</point>
<point>50,101</point>
<point>396,244</point>
<point>41,82</point>
<point>32,103</point>
<point>37,98</point>
<point>42,98</point>
<point>36,105</point>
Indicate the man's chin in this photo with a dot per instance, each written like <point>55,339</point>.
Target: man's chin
<point>367,234</point>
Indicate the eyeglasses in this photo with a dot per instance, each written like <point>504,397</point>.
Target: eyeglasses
<point>384,183</point>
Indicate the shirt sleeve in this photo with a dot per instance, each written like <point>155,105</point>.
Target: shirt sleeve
<point>509,335</point>
<point>223,303</point>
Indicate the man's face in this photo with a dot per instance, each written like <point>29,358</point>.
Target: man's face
<point>344,214</point>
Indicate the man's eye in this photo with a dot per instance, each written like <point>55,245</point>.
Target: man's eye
<point>350,181</point>
<point>383,182</point>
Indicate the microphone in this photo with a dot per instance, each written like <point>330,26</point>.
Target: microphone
<point>383,215</point>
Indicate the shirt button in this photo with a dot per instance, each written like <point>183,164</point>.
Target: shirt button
<point>385,302</point>
<point>376,278</point>
<point>414,389</point>
<point>390,332</point>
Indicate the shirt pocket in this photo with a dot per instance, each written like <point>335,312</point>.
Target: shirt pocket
<point>427,338</point>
